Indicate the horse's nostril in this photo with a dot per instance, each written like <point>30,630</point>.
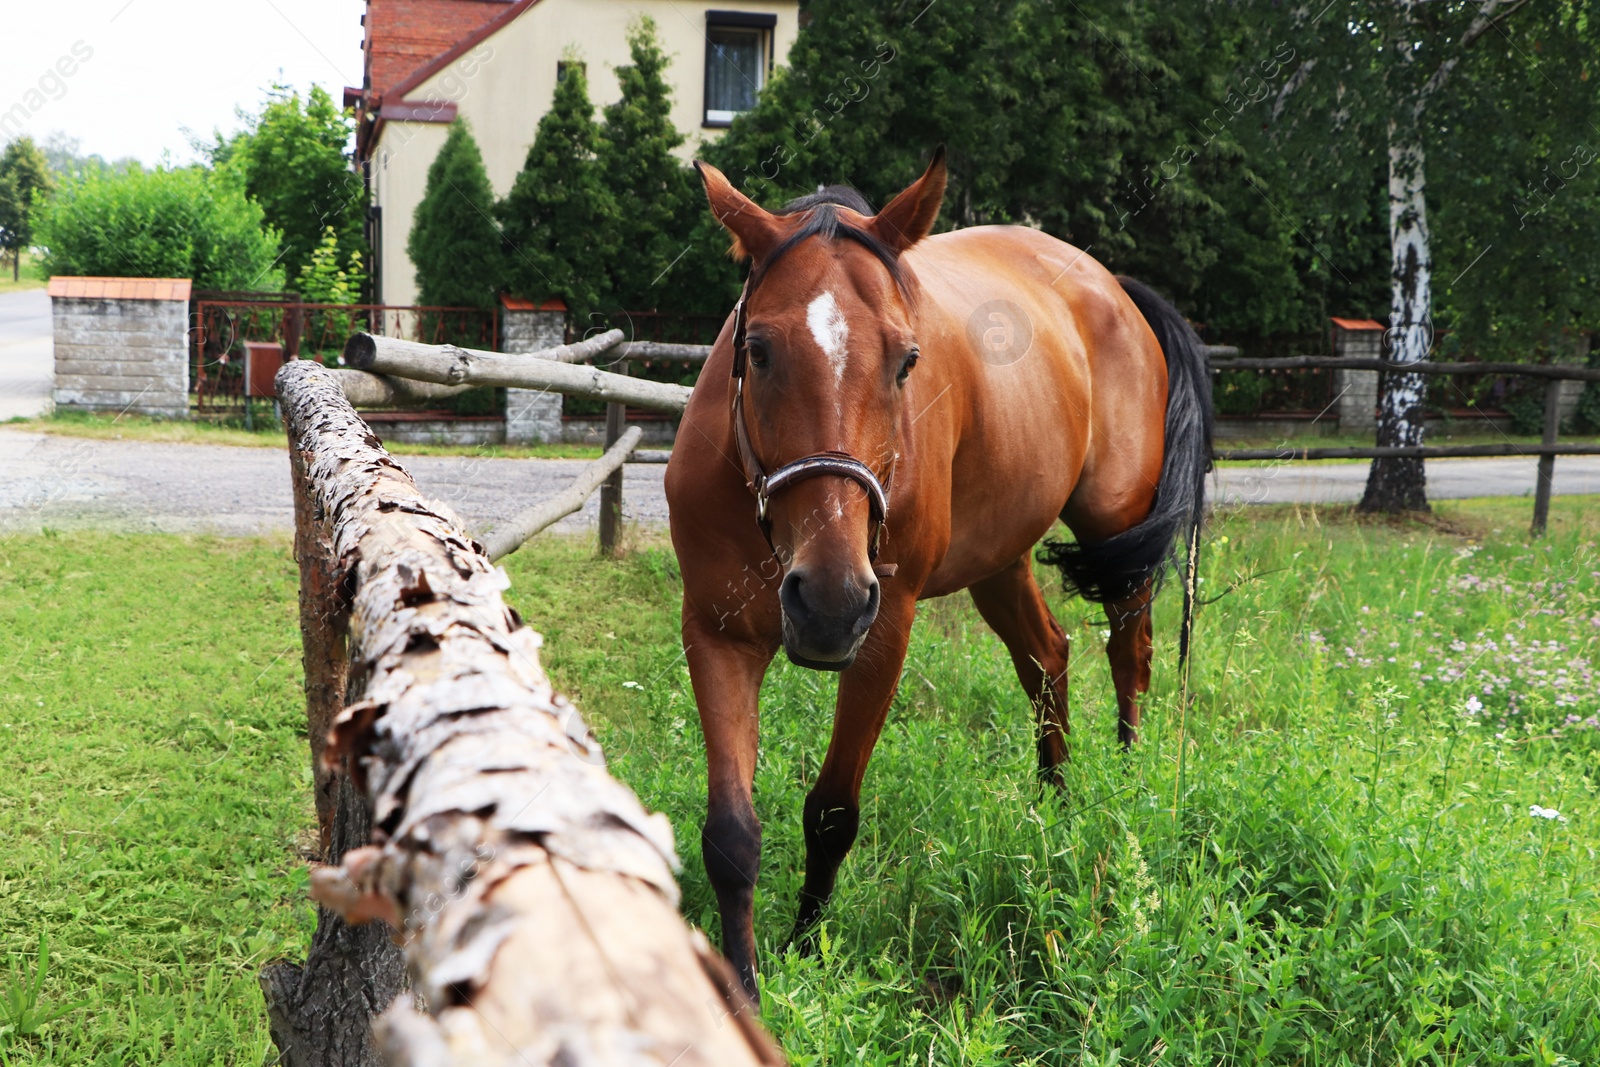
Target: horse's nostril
<point>792,602</point>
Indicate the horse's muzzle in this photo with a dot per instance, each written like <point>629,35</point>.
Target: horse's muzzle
<point>825,622</point>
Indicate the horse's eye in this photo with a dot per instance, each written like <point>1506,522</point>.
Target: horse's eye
<point>757,350</point>
<point>905,368</point>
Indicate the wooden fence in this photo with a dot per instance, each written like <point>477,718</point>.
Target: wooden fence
<point>1547,450</point>
<point>388,369</point>
<point>465,803</point>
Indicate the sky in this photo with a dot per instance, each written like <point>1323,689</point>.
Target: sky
<point>126,77</point>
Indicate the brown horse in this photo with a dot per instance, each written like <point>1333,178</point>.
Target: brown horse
<point>889,416</point>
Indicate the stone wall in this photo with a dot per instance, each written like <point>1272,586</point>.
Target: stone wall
<point>417,428</point>
<point>1357,390</point>
<point>121,345</point>
<point>533,416</point>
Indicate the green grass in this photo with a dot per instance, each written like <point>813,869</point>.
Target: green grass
<point>266,434</point>
<point>1336,865</point>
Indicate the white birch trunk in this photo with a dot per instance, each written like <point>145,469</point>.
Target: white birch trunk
<point>1398,484</point>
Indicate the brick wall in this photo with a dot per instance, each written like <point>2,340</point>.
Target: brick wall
<point>121,345</point>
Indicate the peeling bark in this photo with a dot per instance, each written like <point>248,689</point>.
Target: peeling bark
<point>532,893</point>
<point>1399,483</point>
<point>550,369</point>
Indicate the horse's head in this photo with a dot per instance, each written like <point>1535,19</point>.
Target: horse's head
<point>823,347</point>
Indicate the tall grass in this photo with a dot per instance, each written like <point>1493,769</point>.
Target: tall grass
<point>1337,865</point>
<point>1330,857</point>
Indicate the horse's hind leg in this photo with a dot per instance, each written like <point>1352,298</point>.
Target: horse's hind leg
<point>1129,653</point>
<point>1011,603</point>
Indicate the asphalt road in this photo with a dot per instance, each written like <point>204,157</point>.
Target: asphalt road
<point>67,482</point>
<point>27,353</point>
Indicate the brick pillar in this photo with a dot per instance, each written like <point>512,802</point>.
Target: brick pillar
<point>1577,355</point>
<point>533,416</point>
<point>1357,390</point>
<point>122,345</point>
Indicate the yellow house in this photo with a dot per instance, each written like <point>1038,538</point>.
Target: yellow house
<point>496,62</point>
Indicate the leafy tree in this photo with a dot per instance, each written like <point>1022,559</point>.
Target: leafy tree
<point>455,244</point>
<point>182,223</point>
<point>657,196</point>
<point>24,180</point>
<point>294,162</point>
<point>1413,78</point>
<point>560,217</point>
<point>66,159</point>
<point>1113,126</point>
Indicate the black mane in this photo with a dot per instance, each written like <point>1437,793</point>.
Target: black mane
<point>842,195</point>
<point>821,210</point>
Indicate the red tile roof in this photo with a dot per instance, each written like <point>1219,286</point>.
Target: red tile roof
<point>522,303</point>
<point>120,288</point>
<point>1357,324</point>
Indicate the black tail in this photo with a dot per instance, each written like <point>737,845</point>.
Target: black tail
<point>1111,570</point>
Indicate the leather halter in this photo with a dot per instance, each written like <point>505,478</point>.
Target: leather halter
<point>837,464</point>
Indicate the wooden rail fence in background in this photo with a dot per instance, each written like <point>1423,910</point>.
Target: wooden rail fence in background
<point>531,893</point>
<point>397,366</point>
<point>1547,450</point>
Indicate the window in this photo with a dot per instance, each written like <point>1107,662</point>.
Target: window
<point>738,51</point>
<point>563,66</point>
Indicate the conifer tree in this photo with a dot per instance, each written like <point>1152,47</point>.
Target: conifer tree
<point>560,218</point>
<point>455,244</point>
<point>657,195</point>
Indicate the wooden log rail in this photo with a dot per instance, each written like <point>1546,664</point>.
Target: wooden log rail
<point>532,894</point>
<point>449,365</point>
<point>509,537</point>
<point>1558,371</point>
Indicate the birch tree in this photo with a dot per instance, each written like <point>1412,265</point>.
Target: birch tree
<point>1385,69</point>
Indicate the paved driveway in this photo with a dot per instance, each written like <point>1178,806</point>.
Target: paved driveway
<point>68,482</point>
<point>74,482</point>
<point>27,353</point>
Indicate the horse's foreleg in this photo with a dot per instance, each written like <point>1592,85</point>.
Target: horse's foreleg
<point>1013,606</point>
<point>833,807</point>
<point>1129,653</point>
<point>726,675</point>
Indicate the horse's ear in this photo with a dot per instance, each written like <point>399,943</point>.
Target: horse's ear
<point>754,229</point>
<point>909,216</point>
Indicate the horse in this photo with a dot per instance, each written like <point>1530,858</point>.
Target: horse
<point>889,416</point>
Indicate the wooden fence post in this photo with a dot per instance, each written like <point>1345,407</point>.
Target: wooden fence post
<point>1547,462</point>
<point>611,491</point>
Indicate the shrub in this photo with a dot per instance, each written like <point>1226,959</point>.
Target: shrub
<point>658,198</point>
<point>454,242</point>
<point>183,223</point>
<point>324,281</point>
<point>560,216</point>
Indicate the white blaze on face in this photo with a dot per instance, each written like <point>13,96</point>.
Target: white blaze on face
<point>830,330</point>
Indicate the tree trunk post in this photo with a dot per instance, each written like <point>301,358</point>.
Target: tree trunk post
<point>1398,484</point>
<point>611,491</point>
<point>320,1012</point>
<point>1547,462</point>
<point>534,893</point>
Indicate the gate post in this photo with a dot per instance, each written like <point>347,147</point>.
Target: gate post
<point>611,491</point>
<point>1547,462</point>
